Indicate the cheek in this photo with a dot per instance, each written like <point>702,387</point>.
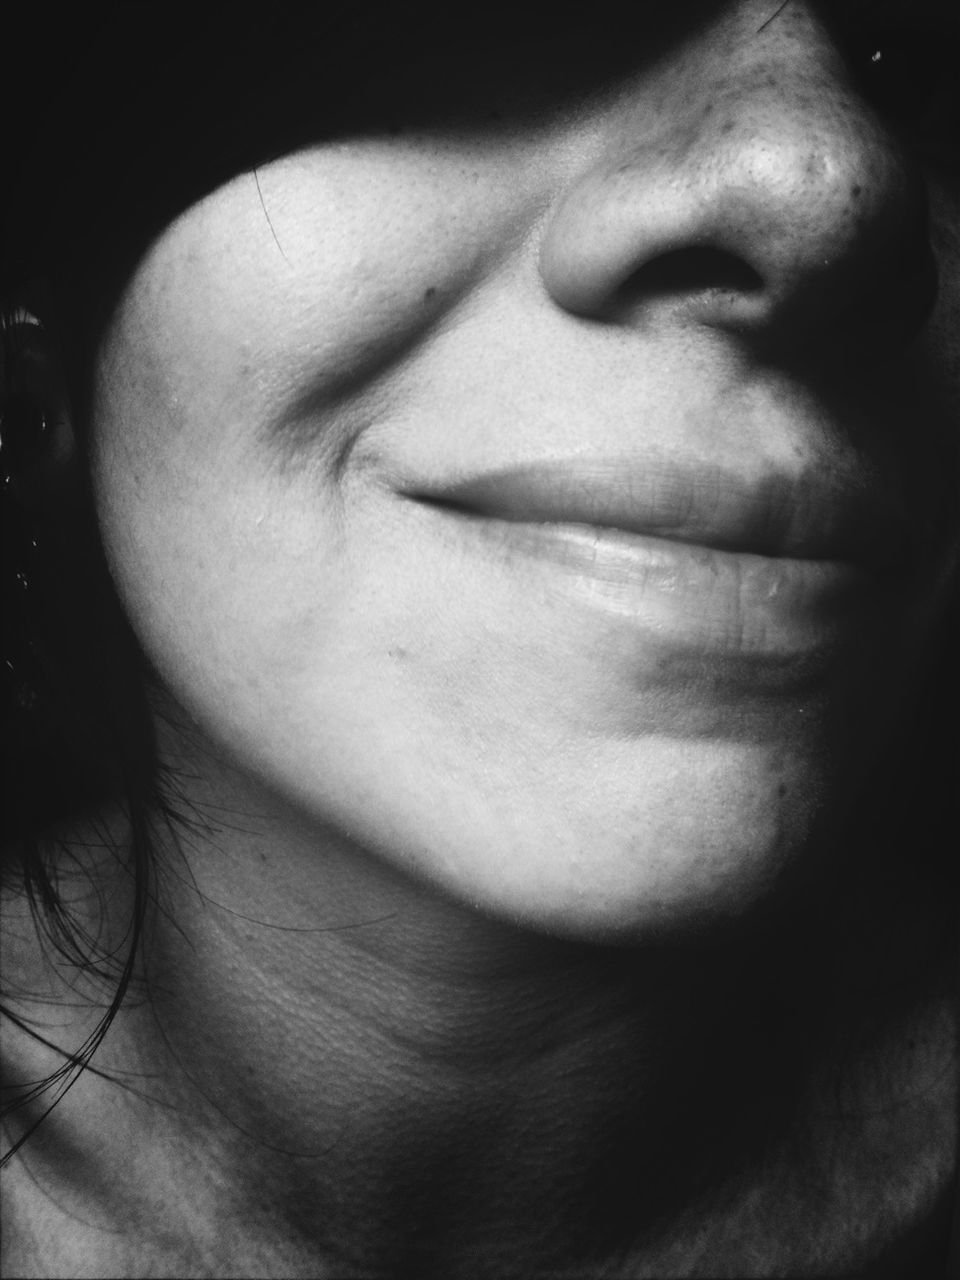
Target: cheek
<point>224,402</point>
<point>290,290</point>
<point>220,575</point>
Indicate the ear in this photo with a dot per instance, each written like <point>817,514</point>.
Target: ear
<point>38,449</point>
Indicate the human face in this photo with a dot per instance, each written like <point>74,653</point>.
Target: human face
<point>549,502</point>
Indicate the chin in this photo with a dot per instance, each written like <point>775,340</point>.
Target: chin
<point>576,834</point>
<point>679,850</point>
<point>658,889</point>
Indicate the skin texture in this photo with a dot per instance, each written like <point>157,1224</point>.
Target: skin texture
<point>448,302</point>
<point>474,844</point>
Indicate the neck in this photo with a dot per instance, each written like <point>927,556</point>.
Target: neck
<point>401,1072</point>
<point>382,1076</point>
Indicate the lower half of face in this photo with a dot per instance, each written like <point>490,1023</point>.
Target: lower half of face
<point>590,734</point>
<point>531,609</point>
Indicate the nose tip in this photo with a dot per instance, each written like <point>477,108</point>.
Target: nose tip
<point>780,209</point>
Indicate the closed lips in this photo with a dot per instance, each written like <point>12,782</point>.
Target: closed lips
<point>817,516</point>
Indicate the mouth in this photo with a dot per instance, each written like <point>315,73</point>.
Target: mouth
<point>816,516</point>
<point>696,558</point>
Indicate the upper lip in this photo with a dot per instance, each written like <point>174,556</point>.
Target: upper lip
<point>822,513</point>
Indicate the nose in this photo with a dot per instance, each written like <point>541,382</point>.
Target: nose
<point>756,193</point>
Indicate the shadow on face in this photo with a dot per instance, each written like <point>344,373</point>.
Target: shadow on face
<point>519,470</point>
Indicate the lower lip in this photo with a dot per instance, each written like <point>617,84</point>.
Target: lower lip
<point>691,596</point>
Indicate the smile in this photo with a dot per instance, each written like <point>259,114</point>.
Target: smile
<point>696,559</point>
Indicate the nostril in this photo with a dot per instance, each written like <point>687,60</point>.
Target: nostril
<point>691,270</point>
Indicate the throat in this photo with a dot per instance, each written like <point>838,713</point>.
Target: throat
<point>371,1101</point>
<point>541,1106</point>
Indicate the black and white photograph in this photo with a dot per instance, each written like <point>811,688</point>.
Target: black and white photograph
<point>480,640</point>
